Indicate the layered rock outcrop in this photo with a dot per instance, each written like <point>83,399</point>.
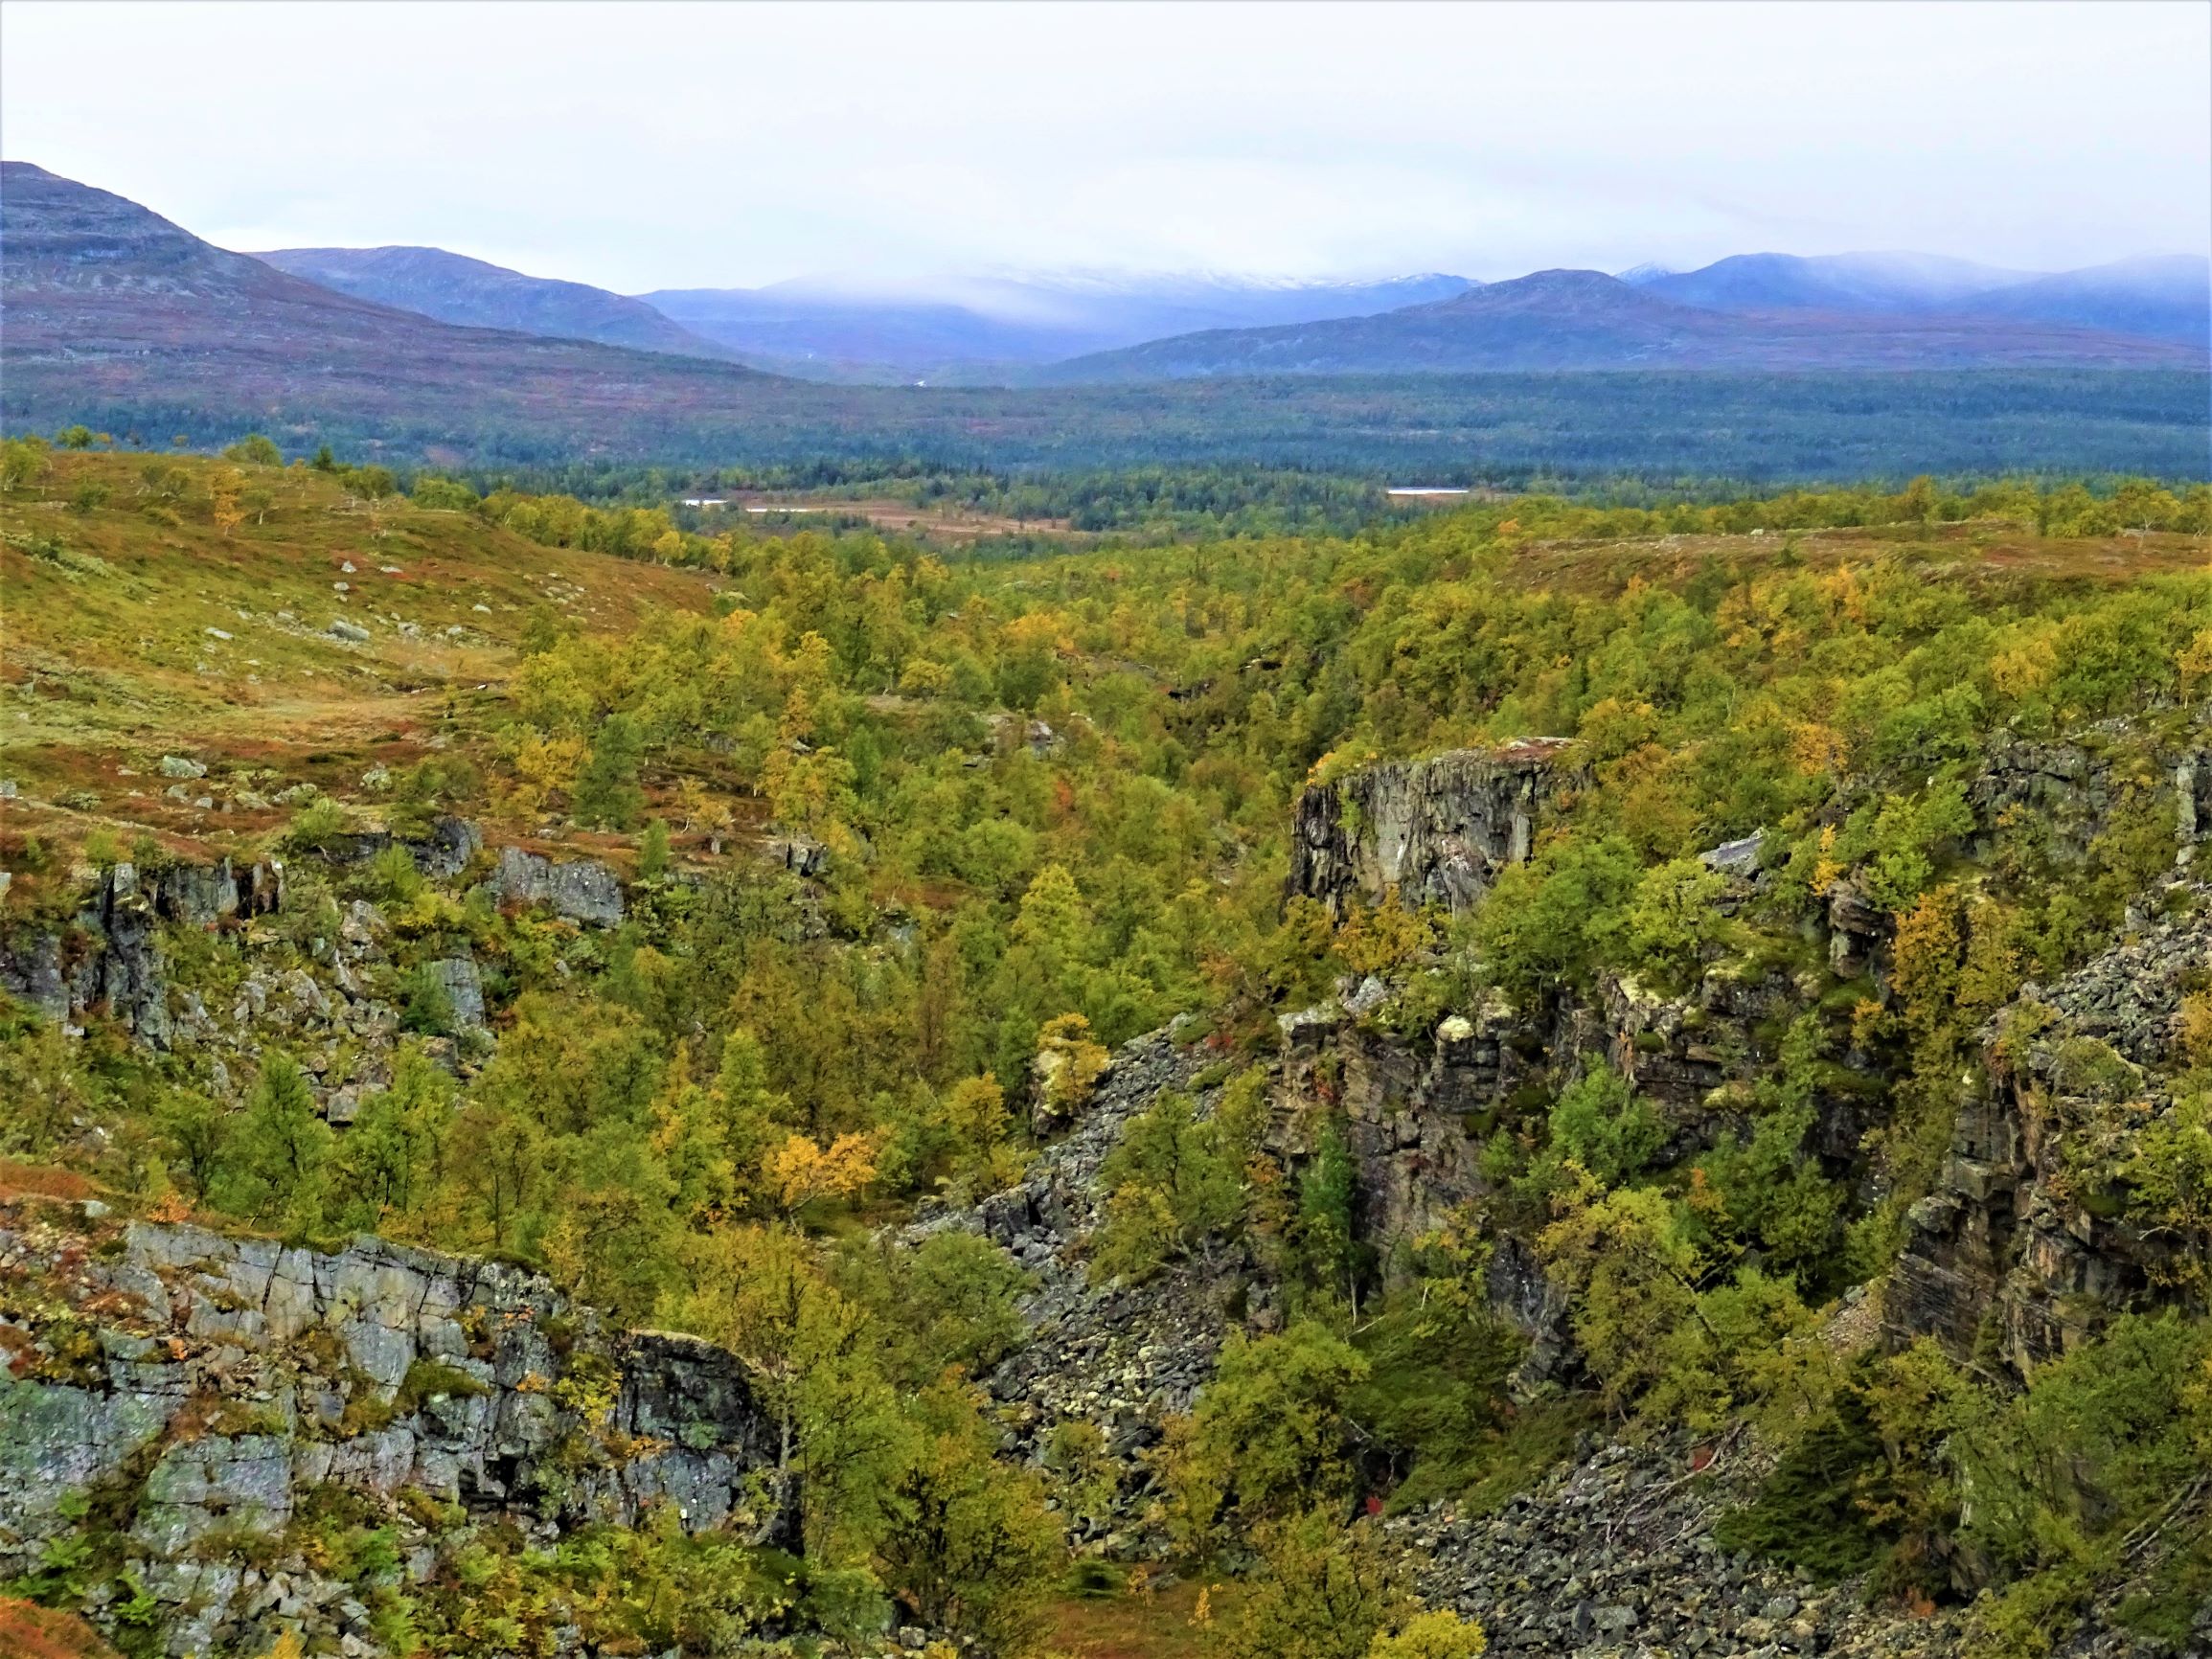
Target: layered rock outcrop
<point>1434,830</point>
<point>109,957</point>
<point>580,889</point>
<point>203,1389</point>
<point>2071,789</point>
<point>2027,1245</point>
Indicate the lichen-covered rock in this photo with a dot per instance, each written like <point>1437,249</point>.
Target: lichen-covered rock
<point>581,889</point>
<point>244,1483</point>
<point>1415,1114</point>
<point>228,1379</point>
<point>1859,930</point>
<point>1435,831</point>
<point>2021,1236</point>
<point>457,974</point>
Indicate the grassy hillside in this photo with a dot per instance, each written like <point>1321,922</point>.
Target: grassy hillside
<point>138,628</point>
<point>178,605</point>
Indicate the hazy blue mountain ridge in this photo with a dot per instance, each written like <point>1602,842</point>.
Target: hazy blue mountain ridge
<point>2162,296</point>
<point>1586,320</point>
<point>2158,296</point>
<point>1876,282</point>
<point>995,326</point>
<point>122,321</point>
<point>454,288</point>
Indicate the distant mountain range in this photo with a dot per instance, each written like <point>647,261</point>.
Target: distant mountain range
<point>994,327</point>
<point>113,316</point>
<point>454,288</point>
<point>1586,320</point>
<point>1826,282</point>
<point>1756,312</point>
<point>1752,312</point>
<point>110,307</point>
<point>2161,297</point>
<point>953,330</point>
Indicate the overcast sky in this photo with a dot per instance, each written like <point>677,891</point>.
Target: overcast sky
<point>689,145</point>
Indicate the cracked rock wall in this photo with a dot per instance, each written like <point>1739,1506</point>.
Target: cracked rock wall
<point>204,1387</point>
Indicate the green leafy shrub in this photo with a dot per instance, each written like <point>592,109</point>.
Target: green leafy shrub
<point>1600,1124</point>
<point>318,826</point>
<point>1173,1183</point>
<point>1270,1436</point>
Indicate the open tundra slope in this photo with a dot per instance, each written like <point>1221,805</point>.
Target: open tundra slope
<point>323,633</point>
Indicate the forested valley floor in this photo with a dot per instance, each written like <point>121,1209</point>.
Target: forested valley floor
<point>1549,1075</point>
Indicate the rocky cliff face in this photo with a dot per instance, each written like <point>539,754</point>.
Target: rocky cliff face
<point>202,1393</point>
<point>2021,1247</point>
<point>1612,1552</point>
<point>441,854</point>
<point>2012,1234</point>
<point>581,889</point>
<point>207,1388</point>
<point>1415,1114</point>
<point>2070,790</point>
<point>109,957</point>
<point>1435,831</point>
<point>335,1002</point>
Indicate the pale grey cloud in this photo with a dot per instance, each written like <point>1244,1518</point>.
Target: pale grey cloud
<point>648,146</point>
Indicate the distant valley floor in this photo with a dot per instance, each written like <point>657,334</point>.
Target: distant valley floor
<point>1498,428</point>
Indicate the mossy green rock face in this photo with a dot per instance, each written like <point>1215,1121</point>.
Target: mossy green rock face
<point>186,1401</point>
<point>245,1482</point>
<point>56,1439</point>
<point>1434,830</point>
<point>2025,1241</point>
